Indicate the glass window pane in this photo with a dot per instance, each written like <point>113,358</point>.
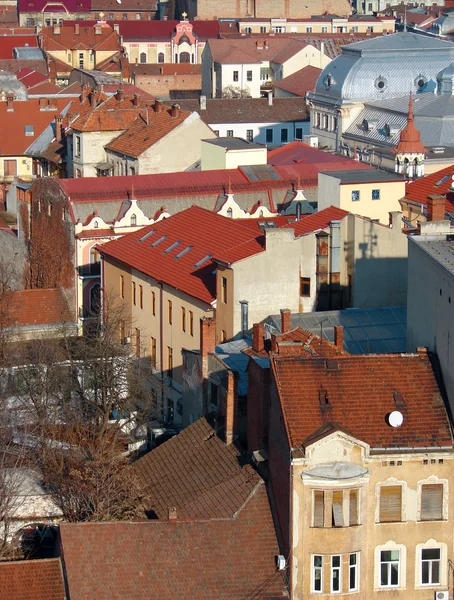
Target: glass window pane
<point>384,574</point>
<point>435,572</point>
<point>353,559</point>
<point>336,581</point>
<point>336,561</point>
<point>425,572</point>
<point>352,584</point>
<point>394,574</point>
<point>431,554</point>
<point>385,555</point>
<point>318,581</point>
<point>318,561</point>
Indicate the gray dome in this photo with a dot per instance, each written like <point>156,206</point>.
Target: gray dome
<point>384,67</point>
<point>445,79</point>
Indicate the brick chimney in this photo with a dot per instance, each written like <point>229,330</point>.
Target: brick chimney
<point>56,29</point>
<point>436,206</point>
<point>175,111</point>
<point>58,127</point>
<point>119,94</point>
<point>116,28</point>
<point>203,102</point>
<point>10,103</point>
<point>258,337</point>
<point>207,341</point>
<point>136,100</point>
<point>172,512</point>
<point>85,92</point>
<point>339,337</point>
<point>285,320</point>
<point>231,408</point>
<point>76,29</point>
<point>157,106</point>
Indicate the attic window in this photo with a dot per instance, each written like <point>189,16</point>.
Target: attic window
<point>183,252</point>
<point>323,397</point>
<point>29,130</point>
<point>267,225</point>
<point>161,239</point>
<point>147,235</point>
<point>329,80</point>
<point>381,83</point>
<point>203,260</point>
<point>170,248</point>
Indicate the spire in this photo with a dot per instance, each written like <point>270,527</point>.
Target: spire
<point>410,138</point>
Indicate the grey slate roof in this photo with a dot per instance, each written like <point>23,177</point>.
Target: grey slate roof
<point>231,354</point>
<point>369,330</point>
<point>441,250</point>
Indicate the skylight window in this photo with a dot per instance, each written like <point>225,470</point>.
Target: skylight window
<point>445,178</point>
<point>183,252</point>
<point>29,130</point>
<point>161,239</point>
<point>267,225</point>
<point>147,235</point>
<point>170,248</point>
<point>203,260</point>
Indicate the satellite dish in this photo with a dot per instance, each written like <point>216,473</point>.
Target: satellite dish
<point>396,418</point>
<point>118,1</point>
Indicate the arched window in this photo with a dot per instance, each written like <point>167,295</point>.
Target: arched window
<point>161,57</point>
<point>133,220</point>
<point>143,57</point>
<point>95,299</point>
<point>185,57</point>
<point>230,213</point>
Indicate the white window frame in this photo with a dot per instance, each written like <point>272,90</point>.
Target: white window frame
<point>333,570</point>
<point>390,562</point>
<point>354,567</point>
<point>430,561</point>
<point>313,571</point>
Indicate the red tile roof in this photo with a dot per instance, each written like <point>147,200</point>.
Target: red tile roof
<point>310,345</point>
<point>29,77</point>
<point>72,6</point>
<point>253,49</point>
<point>361,393</point>
<point>140,135</point>
<point>9,42</point>
<point>45,88</point>
<point>68,39</point>
<point>298,152</point>
<point>39,307</point>
<point>222,559</point>
<point>438,183</point>
<point>301,82</point>
<point>210,236</point>
<point>204,477</point>
<point>32,580</point>
<point>13,141</point>
<point>316,221</point>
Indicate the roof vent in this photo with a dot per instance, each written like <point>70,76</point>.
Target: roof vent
<point>171,247</point>
<point>399,401</point>
<point>438,150</point>
<point>183,252</point>
<point>395,419</point>
<point>161,239</point>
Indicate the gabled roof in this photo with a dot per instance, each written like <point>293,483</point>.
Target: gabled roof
<point>140,135</point>
<point>204,478</point>
<point>223,559</point>
<point>9,42</point>
<point>317,221</point>
<point>300,153</point>
<point>438,183</point>
<point>38,307</point>
<point>209,236</point>
<point>361,391</point>
<point>254,49</point>
<point>68,39</point>
<point>32,580</point>
<point>30,78</point>
<point>300,82</point>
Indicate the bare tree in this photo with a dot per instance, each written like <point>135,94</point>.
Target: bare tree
<point>232,91</point>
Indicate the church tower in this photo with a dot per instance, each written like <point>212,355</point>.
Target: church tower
<point>410,150</point>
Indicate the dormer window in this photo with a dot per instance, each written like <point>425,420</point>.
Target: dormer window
<point>133,220</point>
<point>420,82</point>
<point>95,225</point>
<point>329,80</point>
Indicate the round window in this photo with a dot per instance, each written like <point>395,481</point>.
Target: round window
<point>381,83</point>
<point>420,81</point>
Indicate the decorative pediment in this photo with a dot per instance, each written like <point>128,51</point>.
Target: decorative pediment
<point>131,216</point>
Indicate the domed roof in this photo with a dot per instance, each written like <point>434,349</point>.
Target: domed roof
<point>446,73</point>
<point>410,138</point>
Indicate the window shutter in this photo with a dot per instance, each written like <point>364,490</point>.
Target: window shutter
<point>390,503</point>
<point>338,516</point>
<point>432,502</point>
<point>353,511</point>
<point>319,508</point>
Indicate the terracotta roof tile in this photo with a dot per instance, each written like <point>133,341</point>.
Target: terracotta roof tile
<point>32,580</point>
<point>9,42</point>
<point>87,37</point>
<point>211,237</point>
<point>319,220</point>
<point>39,307</point>
<point>29,77</point>
<point>186,559</point>
<point>438,183</point>
<point>301,82</point>
<point>253,49</point>
<point>203,476</point>
<point>360,391</point>
<point>310,345</point>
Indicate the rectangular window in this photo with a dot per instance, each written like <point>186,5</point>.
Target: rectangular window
<point>299,133</point>
<point>229,132</point>
<point>318,120</point>
<point>335,574</point>
<point>319,508</point>
<point>125,16</point>
<point>389,568</point>
<point>140,296</point>
<point>432,502</point>
<point>324,29</point>
<point>317,574</point>
<point>224,290</point>
<point>250,135</point>
<point>191,323</point>
<point>353,508</point>
<point>77,137</point>
<point>223,336</point>
<point>183,318</point>
<point>169,311</point>
<point>390,503</point>
<point>153,304</point>
<point>375,194</point>
<point>170,361</point>
<point>235,75</point>
<point>284,136</point>
<point>153,352</point>
<point>305,286</point>
<point>134,293</point>
<point>216,131</point>
<point>353,573</point>
<point>308,29</point>
<point>337,510</point>
<point>269,136</point>
<point>137,344</point>
<point>262,29</point>
<point>430,566</point>
<point>249,75</point>
<point>355,195</point>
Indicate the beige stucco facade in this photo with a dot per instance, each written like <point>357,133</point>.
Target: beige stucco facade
<point>20,166</point>
<point>335,25</point>
<point>88,151</point>
<point>216,156</point>
<point>365,473</point>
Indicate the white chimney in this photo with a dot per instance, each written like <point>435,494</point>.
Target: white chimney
<point>203,102</point>
<point>270,98</point>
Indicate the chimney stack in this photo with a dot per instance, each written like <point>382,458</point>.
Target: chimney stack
<point>76,29</point>
<point>116,28</point>
<point>339,337</point>
<point>436,207</point>
<point>172,512</point>
<point>56,29</point>
<point>119,94</point>
<point>10,102</point>
<point>157,106</point>
<point>98,30</point>
<point>58,127</point>
<point>203,102</point>
<point>43,103</point>
<point>270,98</point>
<point>175,111</point>
<point>285,320</point>
<point>207,341</point>
<point>258,337</point>
<point>136,100</point>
